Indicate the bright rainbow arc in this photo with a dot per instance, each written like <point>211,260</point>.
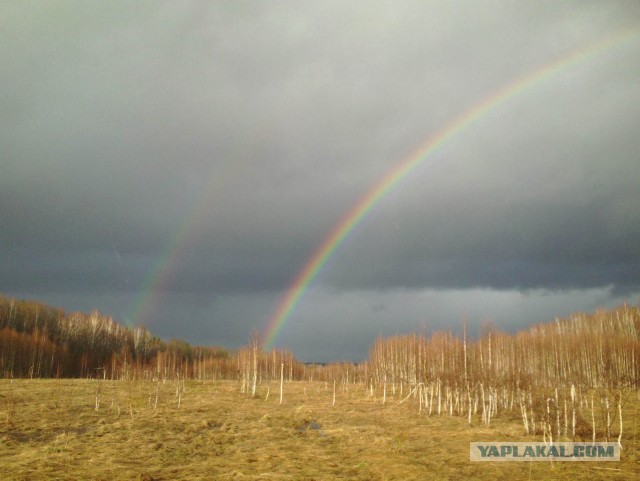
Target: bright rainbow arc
<point>358,212</point>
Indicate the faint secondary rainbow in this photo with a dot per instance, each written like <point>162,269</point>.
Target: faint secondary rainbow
<point>357,213</point>
<point>165,264</point>
<point>159,276</point>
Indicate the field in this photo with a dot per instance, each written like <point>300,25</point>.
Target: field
<point>145,430</point>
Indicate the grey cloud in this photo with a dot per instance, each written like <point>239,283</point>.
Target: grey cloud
<point>232,139</point>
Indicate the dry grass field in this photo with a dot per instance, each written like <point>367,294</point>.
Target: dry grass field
<point>141,430</point>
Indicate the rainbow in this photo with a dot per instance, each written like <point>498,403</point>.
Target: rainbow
<point>357,213</point>
<point>158,277</point>
<point>167,262</point>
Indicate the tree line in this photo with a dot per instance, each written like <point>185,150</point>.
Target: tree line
<point>565,378</point>
<point>37,340</point>
<point>601,349</point>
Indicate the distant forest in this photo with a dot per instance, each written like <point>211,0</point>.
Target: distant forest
<point>37,340</point>
<point>571,377</point>
<point>591,350</point>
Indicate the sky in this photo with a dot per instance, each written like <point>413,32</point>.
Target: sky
<point>177,164</point>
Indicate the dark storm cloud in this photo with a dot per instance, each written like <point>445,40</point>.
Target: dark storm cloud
<point>543,198</point>
<point>226,140</point>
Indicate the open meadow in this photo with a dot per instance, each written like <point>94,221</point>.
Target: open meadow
<point>175,430</point>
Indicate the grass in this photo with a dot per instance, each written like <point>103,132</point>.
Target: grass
<point>50,430</point>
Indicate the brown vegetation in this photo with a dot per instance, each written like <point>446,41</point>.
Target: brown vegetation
<point>409,412</point>
<point>565,379</point>
<point>548,375</point>
<point>40,341</point>
<point>142,430</point>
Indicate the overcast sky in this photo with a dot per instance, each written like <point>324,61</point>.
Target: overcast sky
<point>206,149</point>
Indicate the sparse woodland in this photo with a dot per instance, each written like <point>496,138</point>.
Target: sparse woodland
<point>568,379</point>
